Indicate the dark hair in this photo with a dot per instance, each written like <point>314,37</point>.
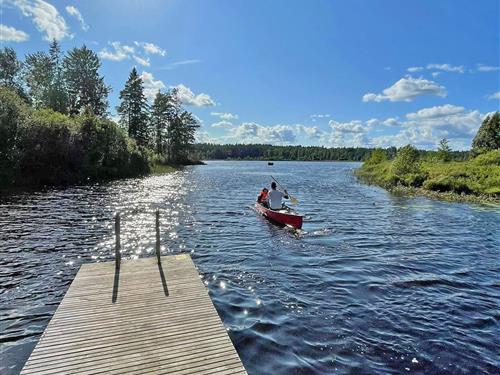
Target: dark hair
<point>273,185</point>
<point>265,189</point>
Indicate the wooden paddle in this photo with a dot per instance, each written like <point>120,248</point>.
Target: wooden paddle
<point>293,200</point>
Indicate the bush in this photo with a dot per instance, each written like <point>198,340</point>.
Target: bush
<point>376,157</point>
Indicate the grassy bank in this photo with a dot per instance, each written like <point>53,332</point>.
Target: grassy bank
<point>474,180</point>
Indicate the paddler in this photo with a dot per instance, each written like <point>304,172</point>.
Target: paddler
<point>275,197</point>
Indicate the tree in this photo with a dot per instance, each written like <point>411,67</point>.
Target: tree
<point>38,77</point>
<point>10,69</point>
<point>488,135</point>
<point>406,161</point>
<point>133,109</point>
<point>86,88</point>
<point>57,96</point>
<point>444,150</point>
<point>160,120</point>
<point>377,156</point>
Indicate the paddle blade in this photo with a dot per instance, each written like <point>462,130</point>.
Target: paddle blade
<point>294,200</point>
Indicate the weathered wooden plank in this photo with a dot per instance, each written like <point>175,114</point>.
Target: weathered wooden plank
<point>134,323</point>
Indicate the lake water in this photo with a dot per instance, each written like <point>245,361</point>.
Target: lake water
<point>375,284</point>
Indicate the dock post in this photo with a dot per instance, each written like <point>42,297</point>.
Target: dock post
<point>118,254</point>
<point>158,253</point>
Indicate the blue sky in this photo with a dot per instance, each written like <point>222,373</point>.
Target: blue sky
<point>332,73</point>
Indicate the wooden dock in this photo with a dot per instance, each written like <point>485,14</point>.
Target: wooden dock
<point>147,316</point>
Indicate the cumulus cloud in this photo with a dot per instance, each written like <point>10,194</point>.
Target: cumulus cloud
<point>10,34</point>
<point>446,68</point>
<point>487,68</point>
<point>118,52</point>
<point>407,89</point>
<point>187,97</point>
<point>225,116</point>
<point>495,95</point>
<point>223,125</point>
<point>437,111</point>
<point>354,126</point>
<point>73,11</point>
<point>151,85</point>
<point>45,16</point>
<point>151,48</point>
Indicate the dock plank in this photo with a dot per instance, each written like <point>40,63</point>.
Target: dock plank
<point>133,327</point>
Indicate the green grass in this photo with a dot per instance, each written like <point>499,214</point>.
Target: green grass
<point>476,179</point>
<point>158,168</point>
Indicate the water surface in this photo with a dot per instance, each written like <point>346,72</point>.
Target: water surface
<point>376,284</point>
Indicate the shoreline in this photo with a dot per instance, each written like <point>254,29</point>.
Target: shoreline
<point>412,192</point>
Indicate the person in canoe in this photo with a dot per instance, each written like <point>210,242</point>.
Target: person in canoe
<point>262,198</point>
<point>275,197</point>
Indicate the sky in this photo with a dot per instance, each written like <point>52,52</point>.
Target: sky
<point>334,73</point>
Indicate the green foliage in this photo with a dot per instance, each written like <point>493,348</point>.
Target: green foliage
<point>478,176</point>
<point>377,156</point>
<point>85,86</point>
<point>406,167</point>
<point>10,71</point>
<point>12,113</point>
<point>133,109</point>
<point>444,150</point>
<point>488,135</point>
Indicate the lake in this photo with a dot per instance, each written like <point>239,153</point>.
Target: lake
<point>374,284</point>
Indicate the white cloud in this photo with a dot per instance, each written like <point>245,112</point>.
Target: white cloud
<point>187,97</point>
<point>73,11</point>
<point>407,89</point>
<point>10,34</point>
<point>142,61</point>
<point>204,137</point>
<point>495,95</point>
<point>435,74</point>
<point>391,121</point>
<point>151,86</point>
<point>45,16</point>
<point>447,68</point>
<point>354,126</point>
<point>151,48</point>
<point>223,125</point>
<point>415,69</point>
<point>225,116</point>
<point>119,52</point>
<point>437,111</point>
<point>487,68</point>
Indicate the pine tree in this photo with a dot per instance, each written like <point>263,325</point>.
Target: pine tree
<point>444,150</point>
<point>160,120</point>
<point>57,96</point>
<point>85,87</point>
<point>133,109</point>
<point>38,78</point>
<point>488,135</point>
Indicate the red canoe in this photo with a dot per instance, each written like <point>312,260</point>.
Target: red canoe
<point>284,217</point>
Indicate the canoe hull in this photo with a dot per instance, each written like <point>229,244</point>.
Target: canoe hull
<point>282,217</point>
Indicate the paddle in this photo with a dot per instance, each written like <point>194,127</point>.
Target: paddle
<point>293,200</point>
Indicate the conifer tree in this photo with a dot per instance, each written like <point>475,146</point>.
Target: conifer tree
<point>85,86</point>
<point>133,109</point>
<point>488,135</point>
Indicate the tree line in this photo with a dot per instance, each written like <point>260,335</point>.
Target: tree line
<point>207,151</point>
<point>55,109</point>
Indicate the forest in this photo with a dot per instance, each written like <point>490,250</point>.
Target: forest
<point>55,125</point>
<point>205,151</point>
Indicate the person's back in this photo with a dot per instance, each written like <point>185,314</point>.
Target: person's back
<point>275,197</point>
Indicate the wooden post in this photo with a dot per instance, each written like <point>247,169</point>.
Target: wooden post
<point>158,254</point>
<point>118,254</point>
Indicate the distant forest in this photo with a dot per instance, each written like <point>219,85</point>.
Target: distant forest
<point>207,151</point>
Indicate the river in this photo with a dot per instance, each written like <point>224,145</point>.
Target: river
<point>375,283</point>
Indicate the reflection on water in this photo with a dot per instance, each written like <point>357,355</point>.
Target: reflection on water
<point>373,284</point>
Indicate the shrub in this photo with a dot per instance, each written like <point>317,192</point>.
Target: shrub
<point>376,157</point>
<point>488,135</point>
